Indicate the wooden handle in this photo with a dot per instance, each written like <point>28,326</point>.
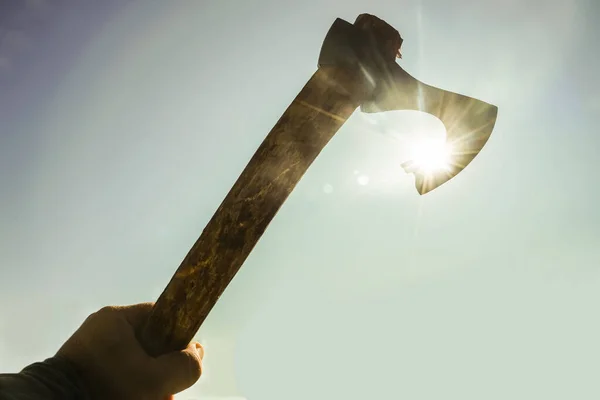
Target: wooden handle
<point>315,115</point>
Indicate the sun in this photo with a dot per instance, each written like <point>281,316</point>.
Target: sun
<point>431,156</point>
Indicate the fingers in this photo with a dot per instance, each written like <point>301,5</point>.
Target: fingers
<point>172,372</point>
<point>180,370</point>
<point>136,314</point>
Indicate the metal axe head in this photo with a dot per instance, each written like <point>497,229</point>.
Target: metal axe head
<point>372,46</point>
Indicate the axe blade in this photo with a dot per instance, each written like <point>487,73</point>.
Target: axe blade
<point>469,122</point>
<point>367,45</point>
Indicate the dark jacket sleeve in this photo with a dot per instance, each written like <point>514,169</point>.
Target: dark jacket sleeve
<point>52,379</point>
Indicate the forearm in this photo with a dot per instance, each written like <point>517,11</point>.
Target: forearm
<point>52,379</point>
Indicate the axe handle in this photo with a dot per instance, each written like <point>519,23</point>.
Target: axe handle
<point>311,120</point>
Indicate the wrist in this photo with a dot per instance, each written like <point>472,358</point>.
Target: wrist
<point>60,376</point>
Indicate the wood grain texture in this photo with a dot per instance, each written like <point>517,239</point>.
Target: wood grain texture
<point>315,115</point>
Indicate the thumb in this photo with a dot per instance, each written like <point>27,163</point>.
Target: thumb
<point>180,369</point>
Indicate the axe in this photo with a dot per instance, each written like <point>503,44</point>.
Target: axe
<point>357,67</point>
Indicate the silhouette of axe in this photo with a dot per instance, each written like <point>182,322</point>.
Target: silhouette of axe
<point>357,67</point>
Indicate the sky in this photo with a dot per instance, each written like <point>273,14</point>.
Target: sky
<point>123,124</point>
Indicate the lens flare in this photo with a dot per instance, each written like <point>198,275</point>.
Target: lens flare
<point>431,156</point>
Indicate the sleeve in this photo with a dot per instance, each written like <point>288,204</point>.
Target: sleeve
<point>52,379</point>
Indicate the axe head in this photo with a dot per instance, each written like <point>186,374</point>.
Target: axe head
<point>372,46</point>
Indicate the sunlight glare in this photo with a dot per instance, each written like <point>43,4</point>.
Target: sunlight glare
<point>431,156</point>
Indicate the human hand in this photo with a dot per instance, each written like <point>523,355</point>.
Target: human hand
<point>114,366</point>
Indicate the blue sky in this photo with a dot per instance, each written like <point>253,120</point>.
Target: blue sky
<point>124,124</point>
